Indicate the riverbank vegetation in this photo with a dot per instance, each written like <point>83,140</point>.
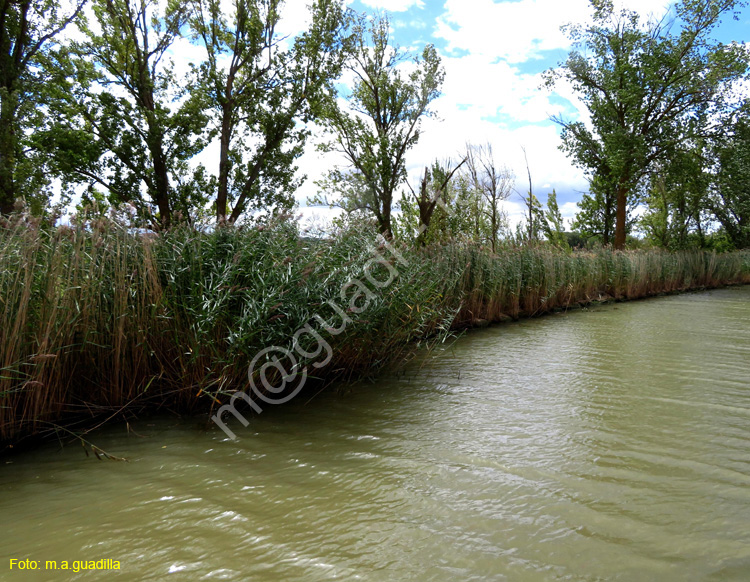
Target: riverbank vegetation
<point>97,106</point>
<point>102,320</point>
<point>147,253</point>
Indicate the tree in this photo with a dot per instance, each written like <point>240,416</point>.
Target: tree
<point>433,189</point>
<point>381,121</point>
<point>553,223</point>
<point>647,90</point>
<point>676,201</point>
<point>27,32</point>
<point>729,198</point>
<point>493,183</point>
<point>260,94</point>
<point>596,217</point>
<point>139,126</point>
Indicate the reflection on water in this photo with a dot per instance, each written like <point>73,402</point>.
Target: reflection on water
<point>607,444</point>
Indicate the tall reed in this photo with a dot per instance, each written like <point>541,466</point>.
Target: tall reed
<point>99,317</point>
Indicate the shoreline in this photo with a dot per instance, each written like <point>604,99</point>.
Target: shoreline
<point>30,442</point>
<point>171,322</point>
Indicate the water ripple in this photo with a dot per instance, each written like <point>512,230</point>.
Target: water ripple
<point>608,444</point>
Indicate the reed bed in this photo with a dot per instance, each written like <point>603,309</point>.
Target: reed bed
<point>99,319</point>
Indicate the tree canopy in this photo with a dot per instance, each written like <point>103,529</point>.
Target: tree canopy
<point>380,119</point>
<point>130,127</point>
<point>262,98</point>
<point>28,29</point>
<point>102,104</point>
<point>650,88</point>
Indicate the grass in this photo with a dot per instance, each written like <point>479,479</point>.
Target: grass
<point>99,319</point>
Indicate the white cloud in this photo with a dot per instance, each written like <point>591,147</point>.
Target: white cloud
<point>518,31</point>
<point>393,5</point>
<point>512,31</point>
<point>491,88</point>
<point>295,18</point>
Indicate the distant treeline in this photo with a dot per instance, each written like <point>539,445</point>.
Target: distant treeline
<point>98,101</point>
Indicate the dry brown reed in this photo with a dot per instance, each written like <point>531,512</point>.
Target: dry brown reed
<point>98,317</point>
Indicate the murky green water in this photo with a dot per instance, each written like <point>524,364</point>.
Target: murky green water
<point>609,444</point>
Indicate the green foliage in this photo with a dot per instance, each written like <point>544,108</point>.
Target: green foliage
<point>27,43</point>
<point>719,242</point>
<point>534,223</point>
<point>575,240</point>
<point>128,128</point>
<point>457,216</point>
<point>261,99</point>
<point>649,92</point>
<point>553,223</point>
<point>458,205</point>
<point>729,200</point>
<point>120,101</point>
<point>596,216</point>
<point>381,120</point>
<point>676,201</point>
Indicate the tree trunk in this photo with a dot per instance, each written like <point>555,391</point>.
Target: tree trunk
<point>155,144</point>
<point>274,138</point>
<point>224,141</point>
<point>7,155</point>
<point>701,236</point>
<point>161,179</point>
<point>608,218</point>
<point>223,193</point>
<point>531,217</point>
<point>425,216</point>
<point>426,207</point>
<point>385,223</point>
<point>494,225</point>
<point>622,212</point>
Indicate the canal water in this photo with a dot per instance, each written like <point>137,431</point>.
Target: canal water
<point>611,443</point>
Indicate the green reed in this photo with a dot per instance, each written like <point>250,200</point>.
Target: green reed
<point>100,319</point>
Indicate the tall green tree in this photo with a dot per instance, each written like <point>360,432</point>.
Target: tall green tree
<point>381,119</point>
<point>27,33</point>
<point>553,224</point>
<point>648,87</point>
<point>139,125</point>
<point>261,94</point>
<point>676,203</point>
<point>729,198</point>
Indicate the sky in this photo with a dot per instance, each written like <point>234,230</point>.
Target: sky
<point>494,54</point>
